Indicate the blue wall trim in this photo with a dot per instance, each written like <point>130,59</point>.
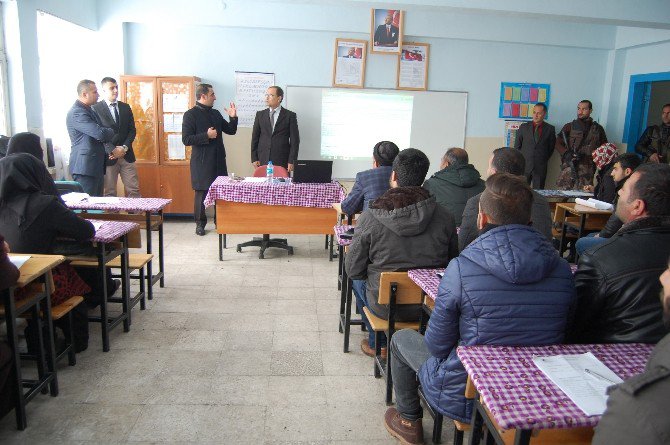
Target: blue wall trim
<point>633,108</point>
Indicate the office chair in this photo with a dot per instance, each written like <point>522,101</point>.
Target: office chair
<point>64,187</point>
<point>266,241</point>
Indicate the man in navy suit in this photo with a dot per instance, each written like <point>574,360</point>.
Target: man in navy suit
<point>87,135</point>
<point>275,135</point>
<point>118,116</point>
<point>371,184</point>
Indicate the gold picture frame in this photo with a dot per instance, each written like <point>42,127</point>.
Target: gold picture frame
<point>386,38</point>
<point>349,61</point>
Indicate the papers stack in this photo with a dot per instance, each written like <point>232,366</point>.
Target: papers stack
<point>582,377</point>
<point>74,197</point>
<point>600,205</point>
<point>103,200</point>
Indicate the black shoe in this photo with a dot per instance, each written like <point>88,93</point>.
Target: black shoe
<point>200,230</point>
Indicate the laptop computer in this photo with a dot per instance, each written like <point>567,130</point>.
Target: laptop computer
<point>319,172</point>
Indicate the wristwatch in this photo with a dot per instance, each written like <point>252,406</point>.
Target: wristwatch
<point>125,148</point>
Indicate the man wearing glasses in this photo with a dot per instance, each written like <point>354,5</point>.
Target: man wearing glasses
<point>275,135</point>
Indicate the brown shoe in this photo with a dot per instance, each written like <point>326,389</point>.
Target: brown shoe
<point>370,352</point>
<point>408,432</point>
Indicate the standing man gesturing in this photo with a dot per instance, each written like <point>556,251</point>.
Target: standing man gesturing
<point>88,155</point>
<point>275,136</point>
<point>202,129</point>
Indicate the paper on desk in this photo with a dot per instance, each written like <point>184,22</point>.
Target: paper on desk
<point>96,223</point>
<point>600,205</point>
<point>103,200</point>
<point>576,193</point>
<point>568,372</point>
<point>18,260</point>
<point>253,179</point>
<point>74,197</point>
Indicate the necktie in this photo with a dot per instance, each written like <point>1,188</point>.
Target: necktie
<point>536,133</point>
<point>272,119</point>
<point>388,31</point>
<point>116,113</point>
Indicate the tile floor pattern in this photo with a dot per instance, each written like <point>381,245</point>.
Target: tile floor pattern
<point>243,351</point>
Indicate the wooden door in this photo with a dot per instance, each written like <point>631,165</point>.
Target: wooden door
<point>176,184</point>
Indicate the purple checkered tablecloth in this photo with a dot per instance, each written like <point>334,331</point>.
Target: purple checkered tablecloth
<point>112,230</point>
<point>339,230</point>
<point>280,194</point>
<point>520,396</point>
<point>427,280</point>
<point>125,205</point>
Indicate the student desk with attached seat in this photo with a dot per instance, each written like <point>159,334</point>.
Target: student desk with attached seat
<point>150,207</point>
<point>37,267</point>
<point>589,219</point>
<point>515,397</point>
<point>429,282</point>
<point>248,207</point>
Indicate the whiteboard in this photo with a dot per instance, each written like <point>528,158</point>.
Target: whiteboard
<point>438,123</point>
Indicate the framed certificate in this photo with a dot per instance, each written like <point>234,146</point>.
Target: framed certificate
<point>349,63</point>
<point>413,66</point>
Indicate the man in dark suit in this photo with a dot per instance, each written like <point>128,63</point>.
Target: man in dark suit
<point>118,116</point>
<point>536,140</point>
<point>371,184</point>
<point>87,135</point>
<point>202,129</point>
<point>387,34</point>
<point>275,136</point>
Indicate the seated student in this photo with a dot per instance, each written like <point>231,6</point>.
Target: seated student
<point>624,166</point>
<point>636,409</point>
<point>604,158</point>
<point>31,219</point>
<point>371,184</point>
<point>508,287</point>
<point>404,229</point>
<point>505,160</point>
<point>455,183</point>
<point>9,274</point>
<point>25,142</point>
<point>616,281</point>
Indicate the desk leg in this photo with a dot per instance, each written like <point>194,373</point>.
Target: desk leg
<point>343,294</point>
<point>51,351</point>
<point>150,274</point>
<point>477,422</point>
<point>12,336</point>
<point>348,290</point>
<point>161,253</point>
<point>125,284</point>
<point>522,437</point>
<point>330,254</point>
<point>221,247</point>
<point>104,322</point>
<point>340,267</point>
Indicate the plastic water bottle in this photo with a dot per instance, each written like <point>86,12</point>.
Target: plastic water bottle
<point>270,172</point>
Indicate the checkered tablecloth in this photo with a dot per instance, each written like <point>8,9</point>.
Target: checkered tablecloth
<point>281,194</point>
<point>339,230</point>
<point>125,205</point>
<point>427,280</point>
<point>112,230</point>
<point>520,396</point>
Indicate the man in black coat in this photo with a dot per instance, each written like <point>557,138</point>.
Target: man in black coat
<point>202,129</point>
<point>617,282</point>
<point>536,140</point>
<point>275,135</point>
<point>118,116</point>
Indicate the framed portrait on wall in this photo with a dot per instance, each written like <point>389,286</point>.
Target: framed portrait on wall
<point>349,63</point>
<point>413,66</point>
<point>386,30</point>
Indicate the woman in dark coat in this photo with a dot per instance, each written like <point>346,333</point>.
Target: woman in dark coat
<point>31,218</point>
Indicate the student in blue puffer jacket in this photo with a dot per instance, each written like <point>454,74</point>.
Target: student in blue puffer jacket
<point>508,287</point>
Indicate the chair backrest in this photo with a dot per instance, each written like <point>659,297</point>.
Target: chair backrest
<point>279,171</point>
<point>64,187</point>
<point>407,292</point>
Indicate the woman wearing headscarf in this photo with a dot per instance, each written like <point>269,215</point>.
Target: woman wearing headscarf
<point>26,142</point>
<point>604,159</point>
<point>31,217</point>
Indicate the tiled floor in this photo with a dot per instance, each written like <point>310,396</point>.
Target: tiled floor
<point>243,351</point>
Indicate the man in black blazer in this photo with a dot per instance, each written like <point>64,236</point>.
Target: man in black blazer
<point>118,116</point>
<point>275,136</point>
<point>536,141</point>
<point>87,135</point>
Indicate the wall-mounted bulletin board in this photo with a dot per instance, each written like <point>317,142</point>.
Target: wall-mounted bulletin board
<point>517,99</point>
